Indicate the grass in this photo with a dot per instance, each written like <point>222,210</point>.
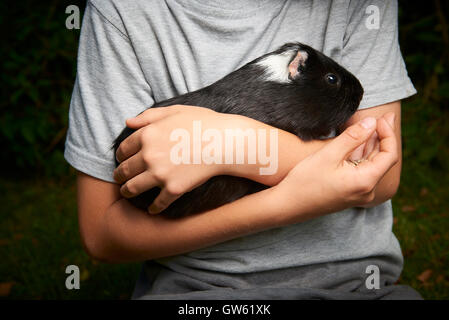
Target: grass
<point>421,206</point>
<point>39,238</point>
<point>39,232</point>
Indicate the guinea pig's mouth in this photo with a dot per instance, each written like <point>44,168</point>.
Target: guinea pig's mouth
<point>352,99</point>
<point>297,64</point>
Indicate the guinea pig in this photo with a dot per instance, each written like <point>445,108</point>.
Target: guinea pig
<point>294,88</point>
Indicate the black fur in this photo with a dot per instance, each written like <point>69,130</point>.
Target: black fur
<point>308,106</point>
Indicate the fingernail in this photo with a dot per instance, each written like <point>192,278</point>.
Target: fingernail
<point>124,192</point>
<point>368,123</point>
<point>152,209</point>
<point>128,120</point>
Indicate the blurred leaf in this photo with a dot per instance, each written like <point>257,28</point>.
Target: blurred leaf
<point>425,275</point>
<point>408,208</point>
<point>5,288</point>
<point>84,275</point>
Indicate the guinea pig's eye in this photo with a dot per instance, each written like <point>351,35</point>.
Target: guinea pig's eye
<point>331,78</point>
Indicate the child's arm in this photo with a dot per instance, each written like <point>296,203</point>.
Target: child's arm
<point>145,162</point>
<point>324,182</point>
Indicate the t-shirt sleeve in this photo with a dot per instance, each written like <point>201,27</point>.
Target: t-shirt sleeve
<point>109,88</point>
<point>371,52</point>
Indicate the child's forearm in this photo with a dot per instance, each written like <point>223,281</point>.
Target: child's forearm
<point>289,151</point>
<point>129,234</point>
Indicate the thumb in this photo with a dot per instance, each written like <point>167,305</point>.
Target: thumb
<point>350,139</point>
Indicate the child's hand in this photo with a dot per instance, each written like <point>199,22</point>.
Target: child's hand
<point>330,181</point>
<point>145,156</point>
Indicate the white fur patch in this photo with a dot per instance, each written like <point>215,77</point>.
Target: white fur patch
<point>276,66</point>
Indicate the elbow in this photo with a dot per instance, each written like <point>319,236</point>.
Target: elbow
<point>390,190</point>
<point>93,243</point>
<point>92,250</point>
<point>100,240</point>
<point>383,193</point>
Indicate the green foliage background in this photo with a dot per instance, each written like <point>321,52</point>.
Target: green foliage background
<point>38,233</point>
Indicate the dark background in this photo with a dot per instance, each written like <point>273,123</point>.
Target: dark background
<point>39,232</point>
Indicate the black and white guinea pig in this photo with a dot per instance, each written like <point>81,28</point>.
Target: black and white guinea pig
<point>294,88</point>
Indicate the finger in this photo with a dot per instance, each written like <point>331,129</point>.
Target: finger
<point>387,136</point>
<point>162,201</point>
<point>130,168</point>
<point>374,152</point>
<point>343,145</point>
<point>357,154</point>
<point>150,115</point>
<point>387,156</point>
<point>139,184</point>
<point>130,146</point>
<point>370,145</point>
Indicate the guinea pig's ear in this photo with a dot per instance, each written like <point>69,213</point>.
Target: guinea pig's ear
<point>295,66</point>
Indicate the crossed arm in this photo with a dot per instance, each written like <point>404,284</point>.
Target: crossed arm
<point>115,231</point>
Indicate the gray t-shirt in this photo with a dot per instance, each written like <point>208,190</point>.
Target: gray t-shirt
<point>132,53</point>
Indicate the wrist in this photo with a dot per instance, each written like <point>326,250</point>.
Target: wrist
<point>289,204</point>
<point>297,202</point>
<point>238,126</point>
